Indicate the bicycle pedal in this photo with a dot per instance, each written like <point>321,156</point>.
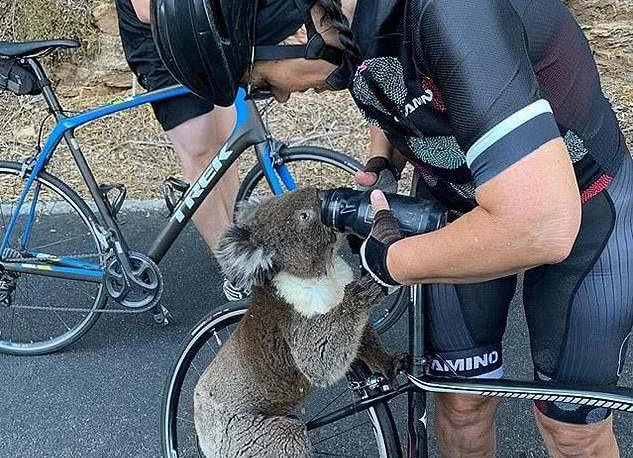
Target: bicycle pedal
<point>173,191</point>
<point>161,316</point>
<point>114,195</point>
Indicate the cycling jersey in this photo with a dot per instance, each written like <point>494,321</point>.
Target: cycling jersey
<point>479,85</point>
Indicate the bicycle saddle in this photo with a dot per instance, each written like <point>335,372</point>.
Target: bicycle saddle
<point>33,48</point>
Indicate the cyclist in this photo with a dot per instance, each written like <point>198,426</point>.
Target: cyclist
<point>499,107</point>
<point>195,128</point>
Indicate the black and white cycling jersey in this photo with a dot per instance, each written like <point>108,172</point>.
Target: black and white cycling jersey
<point>479,85</point>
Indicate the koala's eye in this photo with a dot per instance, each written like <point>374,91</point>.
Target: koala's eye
<point>304,216</point>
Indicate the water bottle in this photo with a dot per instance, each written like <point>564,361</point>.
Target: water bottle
<point>350,210</point>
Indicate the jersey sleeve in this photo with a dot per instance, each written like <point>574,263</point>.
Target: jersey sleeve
<point>476,53</point>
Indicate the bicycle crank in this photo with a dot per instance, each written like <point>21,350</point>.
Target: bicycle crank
<point>142,291</point>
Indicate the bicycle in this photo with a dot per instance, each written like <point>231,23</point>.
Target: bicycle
<point>56,247</point>
<point>359,406</point>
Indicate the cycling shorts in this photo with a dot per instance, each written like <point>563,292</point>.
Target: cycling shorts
<point>579,312</point>
<point>144,60</point>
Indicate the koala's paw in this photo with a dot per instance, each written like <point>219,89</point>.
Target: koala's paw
<point>392,365</point>
<point>399,363</point>
<point>365,289</point>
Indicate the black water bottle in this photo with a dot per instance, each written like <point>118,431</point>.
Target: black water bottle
<point>349,210</point>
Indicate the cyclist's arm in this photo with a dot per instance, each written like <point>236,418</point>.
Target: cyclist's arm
<point>141,8</point>
<point>529,205</point>
<point>528,215</point>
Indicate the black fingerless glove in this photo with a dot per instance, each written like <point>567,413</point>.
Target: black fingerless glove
<point>384,233</point>
<point>388,174</point>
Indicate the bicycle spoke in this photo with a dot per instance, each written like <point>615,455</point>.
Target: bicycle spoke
<point>328,405</point>
<point>44,313</point>
<point>343,432</point>
<point>64,242</point>
<point>185,420</point>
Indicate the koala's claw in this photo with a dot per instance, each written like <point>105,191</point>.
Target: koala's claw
<point>400,363</point>
<point>365,288</point>
<point>394,365</point>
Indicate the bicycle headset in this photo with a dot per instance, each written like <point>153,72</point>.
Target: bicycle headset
<point>208,45</point>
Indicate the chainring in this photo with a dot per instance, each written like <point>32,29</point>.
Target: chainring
<point>145,271</point>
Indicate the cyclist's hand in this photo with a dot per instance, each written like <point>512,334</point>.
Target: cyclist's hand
<point>384,233</point>
<point>379,173</point>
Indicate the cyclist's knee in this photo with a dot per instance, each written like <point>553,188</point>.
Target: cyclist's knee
<point>574,439</point>
<point>465,410</point>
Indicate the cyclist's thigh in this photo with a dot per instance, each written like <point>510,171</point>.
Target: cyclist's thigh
<point>580,311</point>
<point>205,133</point>
<point>465,326</point>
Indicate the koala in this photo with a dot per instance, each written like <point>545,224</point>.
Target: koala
<point>307,321</point>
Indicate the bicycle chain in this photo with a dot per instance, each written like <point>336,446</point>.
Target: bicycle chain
<point>74,309</point>
<point>73,256</point>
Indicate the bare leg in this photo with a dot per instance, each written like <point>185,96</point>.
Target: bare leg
<point>197,141</point>
<point>465,425</point>
<point>577,441</point>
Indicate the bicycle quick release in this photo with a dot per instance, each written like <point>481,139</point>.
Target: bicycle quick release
<point>349,210</point>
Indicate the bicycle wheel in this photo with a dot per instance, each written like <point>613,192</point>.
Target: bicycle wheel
<point>41,314</point>
<point>367,434</point>
<point>323,168</point>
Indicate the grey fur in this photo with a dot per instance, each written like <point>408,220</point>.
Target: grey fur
<point>282,348</point>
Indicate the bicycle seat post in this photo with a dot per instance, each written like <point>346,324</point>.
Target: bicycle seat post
<point>49,95</point>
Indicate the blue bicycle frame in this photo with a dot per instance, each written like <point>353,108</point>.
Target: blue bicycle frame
<point>249,130</point>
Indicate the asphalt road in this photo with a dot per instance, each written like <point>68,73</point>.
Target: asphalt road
<point>101,396</point>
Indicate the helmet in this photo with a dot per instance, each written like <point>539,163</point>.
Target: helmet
<point>205,44</point>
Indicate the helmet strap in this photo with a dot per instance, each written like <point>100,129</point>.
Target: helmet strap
<point>315,48</point>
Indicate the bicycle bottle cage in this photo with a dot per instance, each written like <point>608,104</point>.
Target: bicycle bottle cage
<point>173,190</point>
<point>115,201</point>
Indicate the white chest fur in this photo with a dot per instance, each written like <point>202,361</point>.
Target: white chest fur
<point>313,296</point>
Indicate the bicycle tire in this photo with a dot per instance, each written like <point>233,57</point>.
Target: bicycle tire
<point>396,303</point>
<point>49,326</point>
<point>178,437</point>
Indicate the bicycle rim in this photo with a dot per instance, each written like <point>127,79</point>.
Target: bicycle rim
<point>323,168</point>
<point>62,226</point>
<point>367,434</point>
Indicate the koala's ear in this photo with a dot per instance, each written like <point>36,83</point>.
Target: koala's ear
<point>242,261</point>
<point>246,209</point>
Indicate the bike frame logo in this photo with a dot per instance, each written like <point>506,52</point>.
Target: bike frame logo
<point>203,182</point>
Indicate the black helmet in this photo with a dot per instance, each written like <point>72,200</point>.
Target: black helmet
<point>205,44</point>
<point>208,45</point>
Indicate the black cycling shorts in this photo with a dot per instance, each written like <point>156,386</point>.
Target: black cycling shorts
<point>579,312</point>
<point>142,57</point>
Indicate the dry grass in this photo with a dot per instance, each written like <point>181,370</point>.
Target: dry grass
<point>51,19</point>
